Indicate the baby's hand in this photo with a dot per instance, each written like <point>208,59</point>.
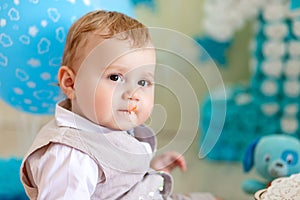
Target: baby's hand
<point>168,161</point>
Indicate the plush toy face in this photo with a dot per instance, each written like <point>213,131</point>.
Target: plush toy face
<point>277,156</point>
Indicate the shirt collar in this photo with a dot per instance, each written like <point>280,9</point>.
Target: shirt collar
<point>66,118</point>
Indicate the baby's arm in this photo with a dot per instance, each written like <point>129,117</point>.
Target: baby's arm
<point>63,172</point>
<point>168,161</point>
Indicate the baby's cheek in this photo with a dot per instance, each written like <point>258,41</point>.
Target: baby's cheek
<point>146,112</point>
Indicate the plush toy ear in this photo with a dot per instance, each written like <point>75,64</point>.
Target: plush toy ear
<point>248,161</point>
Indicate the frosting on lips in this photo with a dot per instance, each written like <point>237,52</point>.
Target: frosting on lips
<point>132,108</point>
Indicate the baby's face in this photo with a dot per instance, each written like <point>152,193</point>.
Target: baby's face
<point>124,94</point>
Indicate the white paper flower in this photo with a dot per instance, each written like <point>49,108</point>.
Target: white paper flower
<point>231,14</point>
<point>276,31</point>
<point>292,68</point>
<point>291,109</point>
<point>274,49</point>
<point>288,125</point>
<point>291,88</point>
<point>269,88</point>
<point>275,11</point>
<point>243,98</point>
<point>294,48</point>
<point>272,68</point>
<point>270,109</point>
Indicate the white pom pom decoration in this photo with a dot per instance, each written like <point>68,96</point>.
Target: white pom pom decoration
<point>291,88</point>
<point>292,68</point>
<point>274,49</point>
<point>276,31</point>
<point>272,68</point>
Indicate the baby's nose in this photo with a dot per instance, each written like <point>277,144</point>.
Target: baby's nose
<point>131,95</point>
<point>134,98</point>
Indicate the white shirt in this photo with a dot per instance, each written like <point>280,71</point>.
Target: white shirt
<point>64,172</point>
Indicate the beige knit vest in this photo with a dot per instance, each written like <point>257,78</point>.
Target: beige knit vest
<point>122,160</point>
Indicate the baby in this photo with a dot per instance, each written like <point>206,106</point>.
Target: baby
<point>97,146</point>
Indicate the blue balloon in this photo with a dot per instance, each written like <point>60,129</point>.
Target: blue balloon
<point>295,4</point>
<point>32,38</point>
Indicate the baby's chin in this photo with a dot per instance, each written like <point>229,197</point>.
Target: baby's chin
<point>124,121</point>
<point>123,125</point>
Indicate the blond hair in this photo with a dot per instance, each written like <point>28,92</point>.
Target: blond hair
<point>105,25</point>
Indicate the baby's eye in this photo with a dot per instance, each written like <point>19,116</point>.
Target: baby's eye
<point>115,77</point>
<point>144,83</point>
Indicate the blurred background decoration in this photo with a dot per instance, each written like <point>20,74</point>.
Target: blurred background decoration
<point>269,102</point>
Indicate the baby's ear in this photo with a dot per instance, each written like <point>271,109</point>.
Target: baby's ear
<point>66,79</point>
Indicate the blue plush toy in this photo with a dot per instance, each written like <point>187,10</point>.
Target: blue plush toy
<point>272,156</point>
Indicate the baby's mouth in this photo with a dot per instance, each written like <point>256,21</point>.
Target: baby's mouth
<point>132,109</point>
